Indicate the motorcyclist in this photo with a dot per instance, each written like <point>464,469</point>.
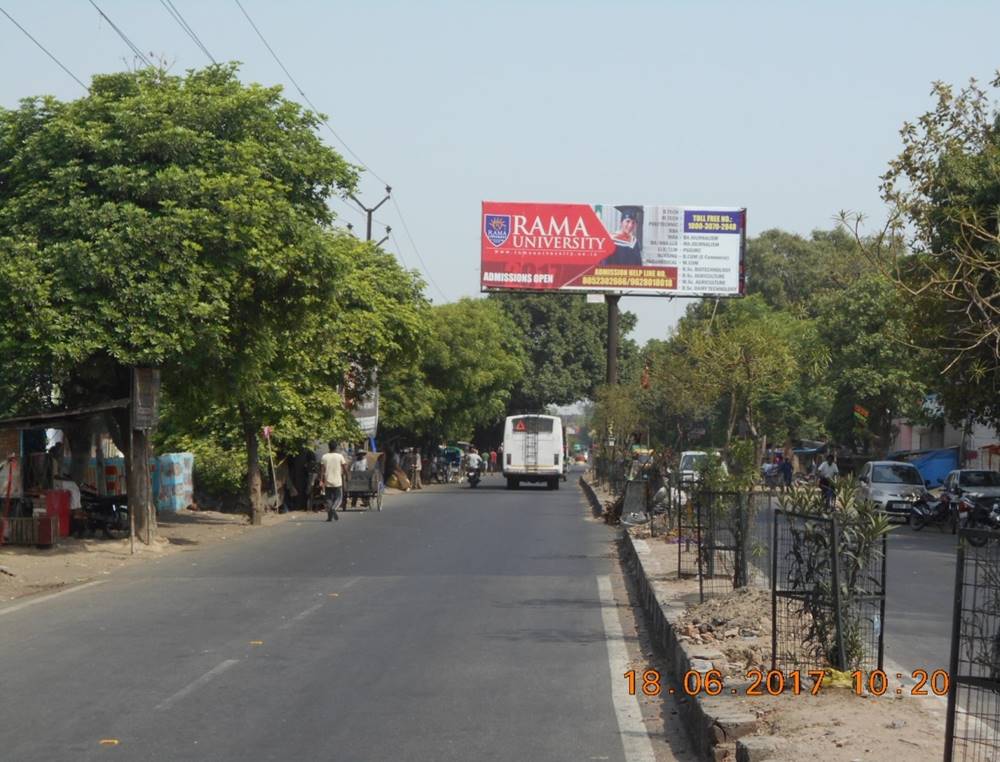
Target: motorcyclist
<point>474,462</point>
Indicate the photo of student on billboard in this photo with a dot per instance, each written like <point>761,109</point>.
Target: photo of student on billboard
<point>625,225</point>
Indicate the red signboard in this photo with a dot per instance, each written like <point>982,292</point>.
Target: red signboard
<point>624,248</point>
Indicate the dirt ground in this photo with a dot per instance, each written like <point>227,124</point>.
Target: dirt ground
<point>26,571</point>
<point>837,724</point>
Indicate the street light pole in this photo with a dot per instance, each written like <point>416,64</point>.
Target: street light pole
<point>371,211</point>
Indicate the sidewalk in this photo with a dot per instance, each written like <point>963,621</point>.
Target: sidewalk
<point>731,634</point>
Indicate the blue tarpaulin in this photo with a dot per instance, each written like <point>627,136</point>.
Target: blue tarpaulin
<point>933,465</point>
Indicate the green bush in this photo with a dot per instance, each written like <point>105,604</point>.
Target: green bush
<point>218,471</point>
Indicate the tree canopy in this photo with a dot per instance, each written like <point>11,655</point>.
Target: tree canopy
<point>566,339</point>
<point>182,222</point>
<point>944,191</point>
<point>472,358</point>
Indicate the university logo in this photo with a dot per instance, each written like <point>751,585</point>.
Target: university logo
<point>497,228</point>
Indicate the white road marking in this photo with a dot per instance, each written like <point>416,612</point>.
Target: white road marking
<point>301,615</point>
<point>350,583</point>
<point>631,728</point>
<point>42,599</point>
<point>194,685</point>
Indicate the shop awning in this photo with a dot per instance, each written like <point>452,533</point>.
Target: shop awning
<point>54,418</point>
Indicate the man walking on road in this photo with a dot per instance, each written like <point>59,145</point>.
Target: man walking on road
<point>331,475</point>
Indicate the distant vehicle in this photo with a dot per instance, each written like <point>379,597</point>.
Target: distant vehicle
<point>690,464</point>
<point>533,450</point>
<point>973,482</point>
<point>976,487</point>
<point>892,485</point>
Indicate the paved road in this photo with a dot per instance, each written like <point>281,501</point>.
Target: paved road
<point>920,594</point>
<point>455,625</point>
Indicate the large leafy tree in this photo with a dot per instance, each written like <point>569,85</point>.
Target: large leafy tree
<point>181,222</point>
<point>873,363</point>
<point>566,340</point>
<point>472,360</point>
<point>944,189</point>
<point>788,271</point>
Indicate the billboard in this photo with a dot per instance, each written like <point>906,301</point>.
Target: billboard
<point>631,249</point>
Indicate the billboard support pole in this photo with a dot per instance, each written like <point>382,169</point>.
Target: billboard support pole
<point>612,301</point>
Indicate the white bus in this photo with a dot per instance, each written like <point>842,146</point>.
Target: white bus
<point>533,450</point>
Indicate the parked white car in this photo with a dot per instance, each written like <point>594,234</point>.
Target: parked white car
<point>891,484</point>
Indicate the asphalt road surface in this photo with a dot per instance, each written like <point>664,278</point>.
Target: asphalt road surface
<point>454,625</point>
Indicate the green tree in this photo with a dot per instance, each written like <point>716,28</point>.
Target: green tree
<point>872,361</point>
<point>944,190</point>
<point>473,359</point>
<point>566,340</point>
<point>788,271</point>
<point>746,353</point>
<point>181,222</point>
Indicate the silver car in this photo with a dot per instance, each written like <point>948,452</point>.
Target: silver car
<point>892,485</point>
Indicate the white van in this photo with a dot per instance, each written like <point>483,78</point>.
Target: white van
<point>533,450</point>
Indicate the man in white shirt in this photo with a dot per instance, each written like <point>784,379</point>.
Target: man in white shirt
<point>472,460</point>
<point>827,472</point>
<point>331,480</point>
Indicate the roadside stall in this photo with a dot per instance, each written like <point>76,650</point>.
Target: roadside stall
<point>48,493</point>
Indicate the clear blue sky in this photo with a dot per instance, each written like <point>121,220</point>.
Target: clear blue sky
<point>791,109</point>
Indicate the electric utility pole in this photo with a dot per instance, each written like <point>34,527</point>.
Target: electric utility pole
<point>369,212</point>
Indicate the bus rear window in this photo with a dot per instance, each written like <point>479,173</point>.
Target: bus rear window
<point>532,425</point>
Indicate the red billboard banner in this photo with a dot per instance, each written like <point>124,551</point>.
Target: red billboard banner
<point>624,248</point>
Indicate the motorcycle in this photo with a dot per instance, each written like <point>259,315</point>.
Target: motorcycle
<point>981,513</point>
<point>928,509</point>
<point>473,476</point>
<point>107,513</point>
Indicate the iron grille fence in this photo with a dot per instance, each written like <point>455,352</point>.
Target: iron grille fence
<point>714,541</point>
<point>972,729</point>
<point>827,596</point>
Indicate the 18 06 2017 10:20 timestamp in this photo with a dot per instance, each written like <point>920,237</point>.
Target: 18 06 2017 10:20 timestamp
<point>776,682</point>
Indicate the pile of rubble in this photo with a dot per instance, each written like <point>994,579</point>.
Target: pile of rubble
<point>737,624</point>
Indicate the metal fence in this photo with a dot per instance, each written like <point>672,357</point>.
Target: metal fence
<point>714,541</point>
<point>610,473</point>
<point>827,596</point>
<point>972,730</point>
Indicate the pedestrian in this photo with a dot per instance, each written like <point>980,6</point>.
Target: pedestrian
<point>493,460</point>
<point>333,467</point>
<point>786,473</point>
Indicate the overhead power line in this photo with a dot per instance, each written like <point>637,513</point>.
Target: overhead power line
<point>45,50</point>
<point>179,18</point>
<point>305,97</point>
<point>122,34</point>
<point>360,161</point>
<point>406,229</point>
